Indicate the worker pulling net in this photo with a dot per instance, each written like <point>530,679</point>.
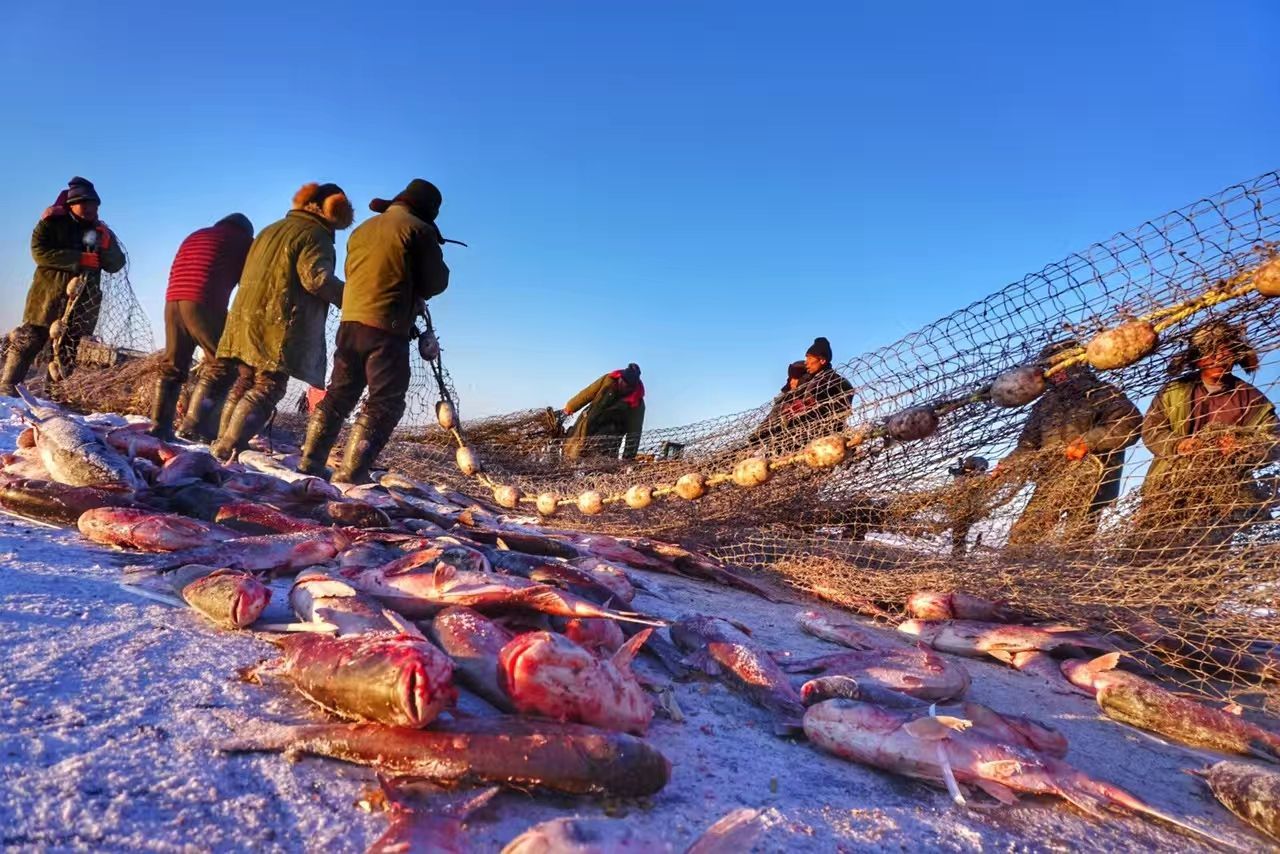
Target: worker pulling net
<point>1095,442</point>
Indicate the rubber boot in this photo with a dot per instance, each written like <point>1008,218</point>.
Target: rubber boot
<point>205,407</point>
<point>245,421</point>
<point>164,406</point>
<point>364,443</point>
<point>16,364</point>
<point>322,431</point>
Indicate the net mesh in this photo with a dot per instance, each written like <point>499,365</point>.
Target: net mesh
<point>1180,564</point>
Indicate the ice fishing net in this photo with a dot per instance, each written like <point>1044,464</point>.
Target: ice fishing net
<point>1183,570</point>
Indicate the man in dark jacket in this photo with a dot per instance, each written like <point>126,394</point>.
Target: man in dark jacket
<point>71,248</point>
<point>276,326</point>
<point>1072,447</point>
<point>820,403</point>
<point>204,271</point>
<point>615,409</point>
<point>394,264</point>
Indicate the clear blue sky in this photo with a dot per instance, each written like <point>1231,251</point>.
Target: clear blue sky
<point>698,187</point>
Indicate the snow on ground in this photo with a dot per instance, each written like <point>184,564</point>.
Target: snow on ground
<point>112,707</point>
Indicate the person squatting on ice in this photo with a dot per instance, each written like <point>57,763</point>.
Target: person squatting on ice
<point>276,326</point>
<point>394,265</point>
<point>614,409</point>
<point>71,248</point>
<point>204,272</point>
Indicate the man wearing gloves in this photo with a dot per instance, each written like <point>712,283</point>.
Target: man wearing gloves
<point>394,264</point>
<point>71,248</point>
<point>615,409</point>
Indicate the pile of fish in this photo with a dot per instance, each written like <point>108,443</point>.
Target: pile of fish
<point>405,595</point>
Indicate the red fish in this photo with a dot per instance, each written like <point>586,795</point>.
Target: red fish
<point>978,639</point>
<point>251,517</point>
<point>147,530</point>
<point>276,552</point>
<point>934,605</point>
<point>602,637</point>
<point>474,642</point>
<point>231,598</point>
<point>918,672</point>
<point>317,597</point>
<point>56,503</point>
<point>549,675</point>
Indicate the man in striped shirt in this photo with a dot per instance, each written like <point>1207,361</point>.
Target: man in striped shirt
<point>206,268</point>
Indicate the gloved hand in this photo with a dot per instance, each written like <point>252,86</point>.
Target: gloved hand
<point>428,346</point>
<point>90,261</point>
<point>104,236</point>
<point>1076,450</point>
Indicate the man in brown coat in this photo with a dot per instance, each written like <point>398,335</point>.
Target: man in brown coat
<point>394,264</point>
<point>1072,447</point>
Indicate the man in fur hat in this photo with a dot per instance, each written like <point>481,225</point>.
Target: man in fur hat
<point>1072,447</point>
<point>394,265</point>
<point>615,408</point>
<point>1207,429</point>
<point>276,326</point>
<point>68,243</point>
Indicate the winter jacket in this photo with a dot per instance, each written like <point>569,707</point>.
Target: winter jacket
<point>613,409</point>
<point>392,260</point>
<point>822,397</point>
<point>1169,420</point>
<point>208,265</point>
<point>277,321</point>
<point>1084,407</point>
<point>56,245</point>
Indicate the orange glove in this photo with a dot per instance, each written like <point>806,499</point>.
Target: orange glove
<point>1226,444</point>
<point>1076,450</point>
<point>1189,445</point>
<point>104,235</point>
<point>90,261</point>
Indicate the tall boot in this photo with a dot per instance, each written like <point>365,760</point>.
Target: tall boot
<point>204,408</point>
<point>17,361</point>
<point>322,431</point>
<point>163,407</point>
<point>245,421</point>
<point>365,441</point>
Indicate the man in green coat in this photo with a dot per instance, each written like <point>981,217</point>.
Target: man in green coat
<point>71,247</point>
<point>276,326</point>
<point>1208,430</point>
<point>394,265</point>
<point>615,409</point>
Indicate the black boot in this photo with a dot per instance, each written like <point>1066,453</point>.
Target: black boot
<point>245,421</point>
<point>364,443</point>
<point>205,407</point>
<point>163,407</point>
<point>17,361</point>
<point>322,431</point>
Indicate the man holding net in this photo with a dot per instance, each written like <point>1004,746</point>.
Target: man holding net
<point>1072,447</point>
<point>71,248</point>
<point>615,409</point>
<point>394,265</point>
<point>1208,430</point>
<point>816,400</point>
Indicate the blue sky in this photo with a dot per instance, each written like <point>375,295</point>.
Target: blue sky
<point>697,187</point>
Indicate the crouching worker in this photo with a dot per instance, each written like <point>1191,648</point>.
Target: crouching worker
<point>275,329</point>
<point>204,272</point>
<point>615,410</point>
<point>71,248</point>
<point>394,264</point>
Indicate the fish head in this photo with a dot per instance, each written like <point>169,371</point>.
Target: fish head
<point>930,605</point>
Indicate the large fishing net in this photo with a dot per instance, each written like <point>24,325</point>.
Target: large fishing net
<point>864,505</point>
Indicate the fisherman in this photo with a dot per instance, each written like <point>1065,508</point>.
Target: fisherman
<point>788,402</point>
<point>394,265</point>
<point>276,327</point>
<point>205,270</point>
<point>71,248</point>
<point>1207,429</point>
<point>1072,447</point>
<point>967,501</point>
<point>615,408</point>
<point>819,403</point>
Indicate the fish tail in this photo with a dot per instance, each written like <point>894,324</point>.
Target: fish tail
<point>735,832</point>
<point>254,736</point>
<point>1086,789</point>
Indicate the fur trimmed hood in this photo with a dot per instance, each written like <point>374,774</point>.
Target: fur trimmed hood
<point>328,201</point>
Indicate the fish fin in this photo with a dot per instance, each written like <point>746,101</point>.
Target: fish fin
<point>1103,663</point>
<point>622,658</point>
<point>1000,792</point>
<point>745,629</point>
<point>254,735</point>
<point>443,574</point>
<point>502,545</point>
<point>935,729</point>
<point>1001,655</point>
<point>402,625</point>
<point>735,832</point>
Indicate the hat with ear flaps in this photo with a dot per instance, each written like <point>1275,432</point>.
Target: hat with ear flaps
<point>1208,337</point>
<point>325,200</point>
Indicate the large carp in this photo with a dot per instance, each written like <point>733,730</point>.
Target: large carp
<point>147,530</point>
<point>474,642</point>
<point>510,751</point>
<point>394,679</point>
<point>844,632</point>
<point>956,605</point>
<point>722,649</point>
<point>978,639</point>
<point>1250,791</point>
<point>56,503</point>
<point>317,597</point>
<point>276,552</point>
<point>73,453</point>
<point>735,833</point>
<point>549,675</point>
<point>917,672</point>
<point>953,751</point>
<point>232,598</point>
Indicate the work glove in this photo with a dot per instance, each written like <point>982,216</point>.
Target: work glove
<point>90,261</point>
